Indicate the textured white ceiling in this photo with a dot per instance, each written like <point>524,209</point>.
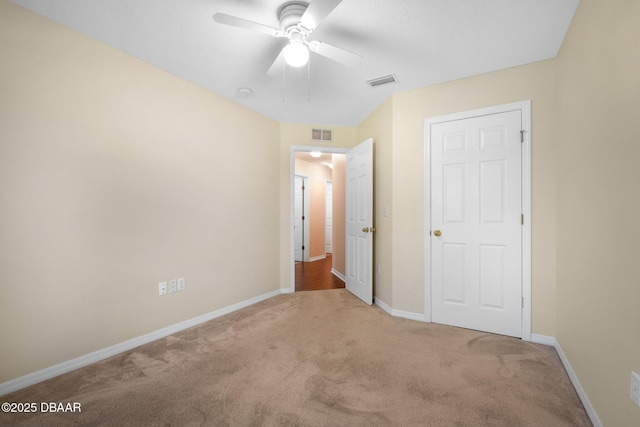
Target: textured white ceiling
<point>422,42</point>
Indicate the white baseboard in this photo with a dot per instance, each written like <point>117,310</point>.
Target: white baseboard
<point>544,339</point>
<point>398,313</point>
<point>317,258</point>
<point>79,362</point>
<point>96,356</point>
<point>338,275</point>
<point>553,342</point>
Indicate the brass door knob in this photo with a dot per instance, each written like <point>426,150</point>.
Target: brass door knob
<point>365,230</point>
<point>437,233</point>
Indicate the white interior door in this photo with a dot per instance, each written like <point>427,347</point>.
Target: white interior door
<point>299,216</point>
<point>359,221</point>
<point>476,228</point>
<point>328,234</point>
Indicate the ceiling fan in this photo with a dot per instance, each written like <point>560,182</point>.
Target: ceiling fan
<point>297,21</point>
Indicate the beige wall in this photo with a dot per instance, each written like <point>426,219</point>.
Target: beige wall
<point>585,201</point>
<point>115,176</point>
<point>599,204</point>
<point>400,179</point>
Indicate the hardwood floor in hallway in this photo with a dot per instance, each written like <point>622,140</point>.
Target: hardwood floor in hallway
<point>316,275</point>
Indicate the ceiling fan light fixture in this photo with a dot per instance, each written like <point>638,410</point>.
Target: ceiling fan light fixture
<point>315,154</point>
<point>296,54</point>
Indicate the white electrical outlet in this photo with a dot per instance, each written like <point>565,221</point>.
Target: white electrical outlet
<point>635,388</point>
<point>162,288</point>
<point>181,284</point>
<point>173,287</point>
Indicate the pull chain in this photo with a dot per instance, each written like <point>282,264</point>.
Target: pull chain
<point>309,80</point>
<point>283,80</point>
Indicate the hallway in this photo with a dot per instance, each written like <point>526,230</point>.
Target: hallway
<point>316,275</point>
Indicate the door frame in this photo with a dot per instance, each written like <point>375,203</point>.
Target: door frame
<point>525,108</point>
<point>292,173</point>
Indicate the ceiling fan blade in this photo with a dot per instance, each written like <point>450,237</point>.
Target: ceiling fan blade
<point>333,52</point>
<point>223,18</point>
<point>278,64</point>
<point>316,12</point>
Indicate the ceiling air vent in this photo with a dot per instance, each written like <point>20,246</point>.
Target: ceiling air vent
<point>325,135</point>
<point>384,80</point>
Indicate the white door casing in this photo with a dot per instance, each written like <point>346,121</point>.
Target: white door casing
<point>359,221</point>
<point>478,274</point>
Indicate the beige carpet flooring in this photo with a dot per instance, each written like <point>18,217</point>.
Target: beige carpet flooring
<point>318,358</point>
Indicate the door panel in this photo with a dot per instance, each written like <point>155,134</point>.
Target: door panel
<point>492,276</point>
<point>300,212</point>
<point>476,203</point>
<point>360,218</point>
<point>328,235</point>
<point>453,197</point>
<point>453,262</point>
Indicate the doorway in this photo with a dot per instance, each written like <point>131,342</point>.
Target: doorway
<point>324,258</point>
<point>358,228</point>
<point>477,216</point>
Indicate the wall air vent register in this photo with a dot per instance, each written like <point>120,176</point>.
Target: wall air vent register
<point>383,80</point>
<point>324,135</point>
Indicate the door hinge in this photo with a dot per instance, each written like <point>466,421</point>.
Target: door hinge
<point>303,217</point>
<point>522,219</point>
<point>522,302</point>
<point>303,248</point>
<point>303,188</point>
<point>522,136</point>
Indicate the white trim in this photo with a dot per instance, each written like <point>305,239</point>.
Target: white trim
<point>535,338</point>
<point>544,339</point>
<point>377,301</point>
<point>398,313</point>
<point>96,356</point>
<point>427,221</point>
<point>526,227</point>
<point>525,107</point>
<point>318,258</point>
<point>79,362</point>
<point>553,342</point>
<point>292,172</point>
<point>338,275</point>
<point>576,384</point>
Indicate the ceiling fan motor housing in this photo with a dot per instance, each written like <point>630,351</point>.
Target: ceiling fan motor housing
<point>290,13</point>
<point>298,19</point>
